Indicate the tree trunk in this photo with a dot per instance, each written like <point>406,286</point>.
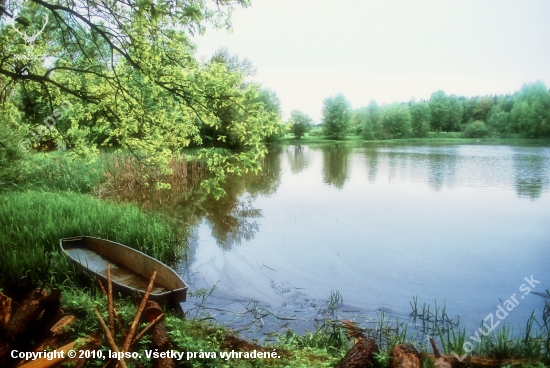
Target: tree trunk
<point>361,355</point>
<point>405,356</point>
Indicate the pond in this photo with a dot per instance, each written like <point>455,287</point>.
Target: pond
<point>377,225</point>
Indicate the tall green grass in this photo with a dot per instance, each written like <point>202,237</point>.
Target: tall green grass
<point>54,171</point>
<point>31,224</point>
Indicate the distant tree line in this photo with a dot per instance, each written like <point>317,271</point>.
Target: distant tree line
<point>524,114</point>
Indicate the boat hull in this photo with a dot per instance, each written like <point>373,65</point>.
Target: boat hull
<point>131,270</point>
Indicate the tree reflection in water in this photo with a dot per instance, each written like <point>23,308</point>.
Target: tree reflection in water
<point>298,157</point>
<point>531,171</point>
<point>336,164</point>
<point>232,218</point>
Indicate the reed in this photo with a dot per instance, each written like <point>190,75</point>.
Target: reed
<point>31,224</point>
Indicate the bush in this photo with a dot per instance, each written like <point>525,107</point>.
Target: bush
<point>316,132</point>
<point>477,129</point>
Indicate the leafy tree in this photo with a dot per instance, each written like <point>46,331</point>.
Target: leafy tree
<point>483,106</point>
<point>456,111</point>
<point>420,119</point>
<point>301,123</point>
<point>499,120</point>
<point>477,129</point>
<point>336,116</point>
<point>439,107</point>
<point>397,121</point>
<point>129,71</point>
<point>531,112</point>
<point>468,104</point>
<point>370,118</point>
<point>233,62</point>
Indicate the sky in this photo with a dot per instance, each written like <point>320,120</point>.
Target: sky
<point>387,51</point>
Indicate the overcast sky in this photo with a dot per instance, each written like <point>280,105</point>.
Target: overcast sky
<point>308,50</point>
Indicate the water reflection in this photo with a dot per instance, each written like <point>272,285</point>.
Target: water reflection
<point>442,168</point>
<point>371,159</point>
<point>235,217</point>
<point>531,173</point>
<point>297,158</point>
<point>336,164</point>
<point>268,180</point>
<point>232,218</point>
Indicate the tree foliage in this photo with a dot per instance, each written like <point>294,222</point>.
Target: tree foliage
<point>370,120</point>
<point>531,112</point>
<point>336,116</point>
<point>301,123</point>
<point>397,121</point>
<point>420,119</point>
<point>129,72</point>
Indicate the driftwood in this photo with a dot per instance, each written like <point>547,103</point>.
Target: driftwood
<point>5,311</point>
<point>361,355</point>
<point>405,356</point>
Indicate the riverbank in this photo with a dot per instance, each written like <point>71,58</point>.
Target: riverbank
<point>39,212</point>
<point>433,137</point>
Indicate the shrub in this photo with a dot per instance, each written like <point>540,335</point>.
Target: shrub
<point>477,129</point>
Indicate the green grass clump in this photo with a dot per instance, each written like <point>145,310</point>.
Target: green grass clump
<point>55,171</point>
<point>31,224</point>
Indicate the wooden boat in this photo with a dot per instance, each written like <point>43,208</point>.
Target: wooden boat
<point>131,270</point>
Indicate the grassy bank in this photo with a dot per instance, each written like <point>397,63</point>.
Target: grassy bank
<point>433,137</point>
<point>32,222</point>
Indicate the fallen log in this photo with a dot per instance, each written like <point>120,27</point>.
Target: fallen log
<point>361,355</point>
<point>405,356</point>
<point>20,322</point>
<point>27,313</point>
<point>5,311</point>
<point>161,341</point>
<point>152,313</point>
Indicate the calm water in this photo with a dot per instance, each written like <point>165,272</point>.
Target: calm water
<point>380,224</point>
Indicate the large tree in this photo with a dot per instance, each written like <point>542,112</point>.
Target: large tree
<point>128,71</point>
<point>439,107</point>
<point>531,112</point>
<point>336,116</point>
<point>369,118</point>
<point>420,119</point>
<point>301,123</point>
<point>397,121</point>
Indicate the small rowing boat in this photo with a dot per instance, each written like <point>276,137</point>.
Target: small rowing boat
<point>131,270</point>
